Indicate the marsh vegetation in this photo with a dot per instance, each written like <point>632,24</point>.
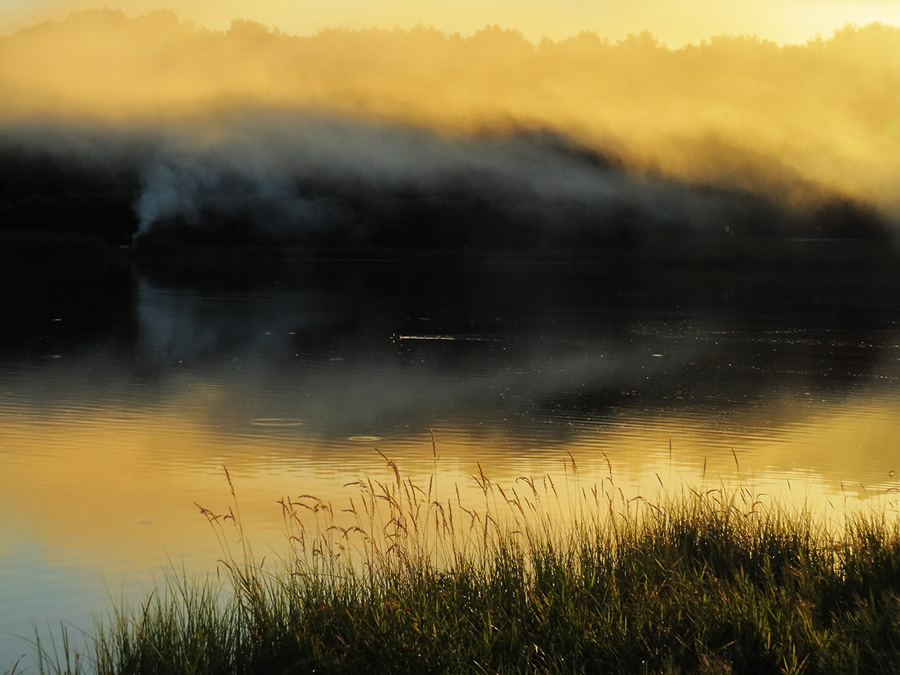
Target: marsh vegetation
<point>545,576</point>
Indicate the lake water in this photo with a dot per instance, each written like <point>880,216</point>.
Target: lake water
<point>122,398</point>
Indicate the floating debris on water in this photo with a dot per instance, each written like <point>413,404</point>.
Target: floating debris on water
<point>276,422</point>
<point>461,338</point>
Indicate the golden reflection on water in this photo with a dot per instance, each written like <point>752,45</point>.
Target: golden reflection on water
<point>122,488</point>
<point>110,496</point>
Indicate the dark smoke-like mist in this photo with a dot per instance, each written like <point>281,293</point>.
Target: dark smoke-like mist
<point>288,172</point>
<point>285,177</point>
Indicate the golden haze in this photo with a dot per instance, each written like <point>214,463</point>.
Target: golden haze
<point>676,24</point>
<point>794,122</point>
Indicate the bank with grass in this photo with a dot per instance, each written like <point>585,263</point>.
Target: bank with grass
<point>404,579</point>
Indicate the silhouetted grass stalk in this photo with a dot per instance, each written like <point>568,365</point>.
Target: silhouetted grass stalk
<point>531,579</point>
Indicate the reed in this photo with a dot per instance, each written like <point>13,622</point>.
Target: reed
<point>407,579</point>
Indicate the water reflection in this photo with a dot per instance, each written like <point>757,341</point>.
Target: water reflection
<point>119,403</point>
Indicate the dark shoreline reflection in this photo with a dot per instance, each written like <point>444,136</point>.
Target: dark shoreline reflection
<point>378,349</point>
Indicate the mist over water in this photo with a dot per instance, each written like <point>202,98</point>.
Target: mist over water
<point>380,138</point>
<point>291,173</point>
<point>278,177</point>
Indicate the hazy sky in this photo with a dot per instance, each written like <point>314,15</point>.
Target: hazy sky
<point>674,23</point>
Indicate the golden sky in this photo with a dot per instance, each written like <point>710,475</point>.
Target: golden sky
<point>792,21</point>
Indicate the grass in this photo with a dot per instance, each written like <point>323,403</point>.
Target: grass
<point>407,579</point>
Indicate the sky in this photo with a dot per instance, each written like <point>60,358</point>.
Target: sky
<point>674,24</point>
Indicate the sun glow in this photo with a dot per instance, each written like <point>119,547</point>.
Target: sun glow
<point>675,24</point>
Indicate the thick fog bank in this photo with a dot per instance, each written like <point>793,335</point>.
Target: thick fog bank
<point>164,134</point>
<point>789,123</point>
<point>279,178</point>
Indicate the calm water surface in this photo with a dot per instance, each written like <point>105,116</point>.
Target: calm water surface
<point>122,399</point>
